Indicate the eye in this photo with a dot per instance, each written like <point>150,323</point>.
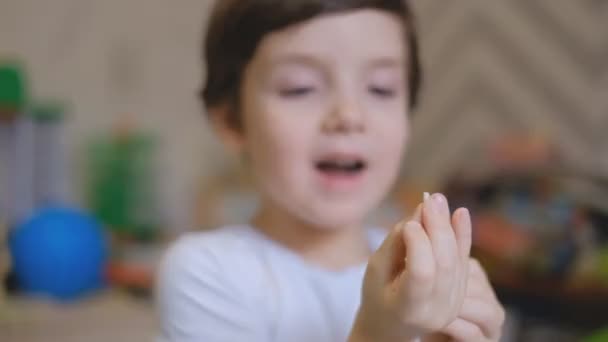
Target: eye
<point>296,91</point>
<point>383,92</point>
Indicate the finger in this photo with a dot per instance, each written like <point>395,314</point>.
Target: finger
<point>450,283</point>
<point>436,221</point>
<point>440,203</point>
<point>488,316</point>
<point>419,277</point>
<point>462,330</point>
<point>437,337</point>
<point>476,270</point>
<point>417,215</point>
<point>478,274</point>
<point>480,289</point>
<point>476,288</point>
<point>461,221</point>
<point>389,256</point>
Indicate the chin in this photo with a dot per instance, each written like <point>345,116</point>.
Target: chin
<point>332,217</point>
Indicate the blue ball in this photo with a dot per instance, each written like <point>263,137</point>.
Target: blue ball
<point>59,252</point>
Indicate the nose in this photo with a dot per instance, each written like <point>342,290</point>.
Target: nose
<point>345,117</point>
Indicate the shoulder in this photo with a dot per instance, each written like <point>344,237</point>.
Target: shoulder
<point>209,286</point>
<point>220,258</point>
<point>219,249</point>
<point>218,245</point>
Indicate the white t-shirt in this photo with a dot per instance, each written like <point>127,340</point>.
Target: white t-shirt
<point>234,284</point>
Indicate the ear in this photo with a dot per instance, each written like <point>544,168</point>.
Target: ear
<point>232,137</point>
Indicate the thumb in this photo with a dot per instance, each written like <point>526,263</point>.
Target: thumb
<point>388,261</point>
<point>417,215</point>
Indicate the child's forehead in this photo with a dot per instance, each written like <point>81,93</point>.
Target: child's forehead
<point>362,34</point>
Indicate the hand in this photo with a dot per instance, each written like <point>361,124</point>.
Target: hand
<point>415,283</point>
<point>481,317</point>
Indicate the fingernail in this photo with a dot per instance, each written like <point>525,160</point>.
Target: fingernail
<point>438,198</point>
<point>399,226</point>
<point>465,214</point>
<point>429,203</point>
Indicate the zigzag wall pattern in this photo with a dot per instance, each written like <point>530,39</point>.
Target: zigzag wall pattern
<point>494,67</point>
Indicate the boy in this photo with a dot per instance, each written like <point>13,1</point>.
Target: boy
<point>316,94</point>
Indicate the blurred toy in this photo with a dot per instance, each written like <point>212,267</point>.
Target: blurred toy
<point>603,266</point>
<point>13,94</point>
<point>34,170</point>
<point>122,185</point>
<point>16,145</point>
<point>5,260</point>
<point>134,268</point>
<point>521,152</point>
<point>228,197</point>
<point>600,336</point>
<point>538,235</point>
<point>500,238</point>
<point>60,253</point>
<point>51,169</point>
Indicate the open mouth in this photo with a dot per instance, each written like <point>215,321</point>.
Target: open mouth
<point>341,172</point>
<point>341,165</point>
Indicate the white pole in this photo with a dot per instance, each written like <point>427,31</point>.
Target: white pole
<point>22,166</point>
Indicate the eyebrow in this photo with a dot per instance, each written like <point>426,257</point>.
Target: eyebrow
<point>387,62</point>
<point>297,58</point>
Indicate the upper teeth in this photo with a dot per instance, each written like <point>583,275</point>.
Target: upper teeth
<point>341,163</point>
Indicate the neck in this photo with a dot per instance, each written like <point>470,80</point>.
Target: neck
<point>333,248</point>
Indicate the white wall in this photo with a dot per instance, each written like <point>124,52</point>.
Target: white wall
<point>113,57</point>
<point>79,49</point>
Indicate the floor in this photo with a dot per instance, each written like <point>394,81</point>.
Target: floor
<point>110,316</point>
<point>120,317</point>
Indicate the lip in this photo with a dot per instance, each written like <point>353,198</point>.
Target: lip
<point>341,182</point>
<point>341,156</point>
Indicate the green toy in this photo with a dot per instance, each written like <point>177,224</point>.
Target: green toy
<point>603,265</point>
<point>601,336</point>
<point>13,90</point>
<point>122,188</point>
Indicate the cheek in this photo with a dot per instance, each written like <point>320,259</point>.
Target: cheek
<point>392,138</point>
<point>395,134</point>
<point>278,148</point>
<point>404,136</point>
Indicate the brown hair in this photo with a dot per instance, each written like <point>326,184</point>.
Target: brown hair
<point>237,27</point>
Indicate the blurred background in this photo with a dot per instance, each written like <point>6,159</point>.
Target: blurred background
<point>106,156</point>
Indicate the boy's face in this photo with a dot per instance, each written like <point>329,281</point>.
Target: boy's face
<point>325,116</point>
